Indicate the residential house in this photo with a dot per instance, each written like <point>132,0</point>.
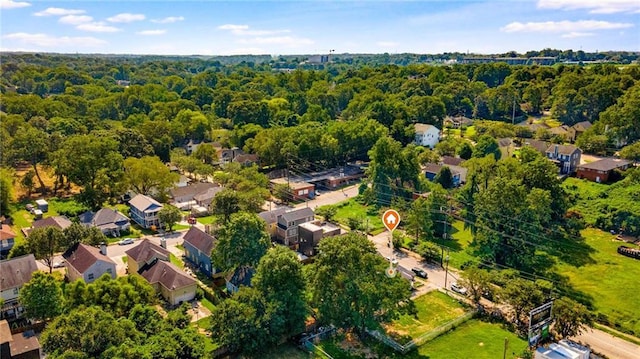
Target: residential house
<point>576,130</point>
<point>431,170</point>
<point>7,238</point>
<point>197,249</point>
<point>240,277</point>
<point>23,345</point>
<point>183,181</point>
<point>246,159</point>
<point>144,211</point>
<point>183,197</point>
<point>151,261</point>
<point>60,222</point>
<point>287,231</point>
<point>228,155</point>
<point>506,147</point>
<point>88,263</point>
<point>299,190</point>
<point>457,121</point>
<point>561,131</point>
<point>204,200</point>
<point>451,161</point>
<point>271,219</point>
<point>311,233</point>
<point>602,170</point>
<point>109,221</point>
<point>566,157</point>
<point>5,340</point>
<point>191,146</point>
<point>171,282</point>
<point>14,273</point>
<point>427,135</point>
<point>538,145</point>
<point>145,253</point>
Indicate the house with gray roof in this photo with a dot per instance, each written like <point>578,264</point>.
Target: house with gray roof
<point>144,211</point>
<point>171,282</point>
<point>566,157</point>
<point>144,253</point>
<point>88,263</point>
<point>240,277</point>
<point>271,219</point>
<point>603,170</point>
<point>184,197</point>
<point>288,222</point>
<point>109,221</point>
<point>60,222</point>
<point>14,273</point>
<point>197,249</point>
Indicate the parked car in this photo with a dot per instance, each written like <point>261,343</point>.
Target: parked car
<point>420,272</point>
<point>126,241</point>
<point>458,288</point>
<point>59,264</point>
<point>392,260</point>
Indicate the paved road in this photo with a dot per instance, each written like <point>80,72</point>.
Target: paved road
<point>607,344</point>
<point>330,197</point>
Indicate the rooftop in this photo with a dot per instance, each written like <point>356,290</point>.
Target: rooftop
<point>605,164</point>
<point>167,274</point>
<point>15,272</point>
<point>200,240</point>
<point>146,251</point>
<point>82,256</point>
<point>142,202</point>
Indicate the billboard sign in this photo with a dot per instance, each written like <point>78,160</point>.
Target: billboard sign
<point>541,315</point>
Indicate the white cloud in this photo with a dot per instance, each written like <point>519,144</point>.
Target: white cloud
<point>387,44</point>
<point>246,51</point>
<point>126,17</point>
<point>151,32</point>
<point>243,30</point>
<point>288,41</point>
<point>97,27</point>
<point>564,26</point>
<point>75,19</point>
<point>168,20</point>
<point>45,40</point>
<point>594,6</point>
<point>574,34</point>
<point>10,4</point>
<point>56,11</point>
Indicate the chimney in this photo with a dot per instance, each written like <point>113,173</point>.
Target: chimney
<point>163,243</point>
<point>103,249</point>
<point>556,151</point>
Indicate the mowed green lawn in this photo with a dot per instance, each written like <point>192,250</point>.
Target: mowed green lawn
<point>433,309</point>
<point>611,280</point>
<point>352,209</point>
<point>473,339</point>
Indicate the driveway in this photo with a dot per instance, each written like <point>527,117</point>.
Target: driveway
<point>331,197</point>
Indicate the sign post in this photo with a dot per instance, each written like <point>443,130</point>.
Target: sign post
<point>391,219</point>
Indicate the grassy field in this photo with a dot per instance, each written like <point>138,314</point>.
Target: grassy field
<point>175,260</point>
<point>473,339</point>
<point>286,350</point>
<point>459,244</point>
<point>609,279</point>
<point>352,209</point>
<point>433,309</point>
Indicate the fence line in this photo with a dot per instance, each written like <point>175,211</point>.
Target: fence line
<point>430,335</point>
<point>308,342</point>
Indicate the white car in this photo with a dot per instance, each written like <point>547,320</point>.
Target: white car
<point>393,261</point>
<point>458,288</point>
<point>58,264</point>
<point>126,241</point>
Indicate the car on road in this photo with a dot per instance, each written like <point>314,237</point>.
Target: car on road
<point>392,260</point>
<point>420,272</point>
<point>59,264</point>
<point>125,241</point>
<point>458,288</point>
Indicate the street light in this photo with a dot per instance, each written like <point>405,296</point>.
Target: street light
<point>446,273</point>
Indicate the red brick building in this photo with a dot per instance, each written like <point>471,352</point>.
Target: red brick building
<point>601,171</point>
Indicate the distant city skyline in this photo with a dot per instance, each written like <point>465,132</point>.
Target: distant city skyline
<point>316,27</point>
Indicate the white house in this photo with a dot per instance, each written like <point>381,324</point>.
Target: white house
<point>427,135</point>
<point>14,273</point>
<point>88,263</point>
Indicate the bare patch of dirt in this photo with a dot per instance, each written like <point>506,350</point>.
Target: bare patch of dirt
<point>352,344</point>
<point>46,173</point>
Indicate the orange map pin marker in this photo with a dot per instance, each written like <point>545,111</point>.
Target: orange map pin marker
<point>391,219</point>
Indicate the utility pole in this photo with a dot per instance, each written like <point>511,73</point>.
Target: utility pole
<point>513,113</point>
<point>506,345</point>
<point>444,235</point>
<point>446,271</point>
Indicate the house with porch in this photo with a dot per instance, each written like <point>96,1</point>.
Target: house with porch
<point>14,273</point>
<point>88,263</point>
<point>271,219</point>
<point>144,211</point>
<point>145,253</point>
<point>427,135</point>
<point>184,197</point>
<point>288,222</point>
<point>109,221</point>
<point>197,249</point>
<point>7,239</point>
<point>566,157</point>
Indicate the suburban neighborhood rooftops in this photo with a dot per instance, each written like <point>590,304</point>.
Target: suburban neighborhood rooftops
<point>605,164</point>
<point>200,240</point>
<point>191,190</point>
<point>17,271</point>
<point>105,218</point>
<point>207,196</point>
<point>81,256</point>
<point>297,214</point>
<point>167,274</point>
<point>423,127</point>
<point>61,222</point>
<point>562,149</point>
<point>435,168</point>
<point>146,251</point>
<point>451,161</point>
<point>6,232</point>
<point>582,126</point>
<point>540,146</point>
<point>272,216</point>
<point>22,343</point>
<point>142,202</point>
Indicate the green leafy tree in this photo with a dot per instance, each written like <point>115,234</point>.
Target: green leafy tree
<point>487,145</point>
<point>523,296</point>
<point>44,242</point>
<point>429,251</point>
<point>179,317</point>
<point>28,183</point>
<point>243,241</point>
<point>349,286</point>
<point>327,212</point>
<point>77,233</point>
<point>477,281</point>
<point>419,219</point>
<point>279,278</point>
<point>6,189</point>
<point>30,144</point>
<point>571,317</point>
<point>41,297</point>
<point>148,174</point>
<point>282,191</point>
<point>226,203</point>
<point>631,152</point>
<point>465,150</point>
<point>169,215</point>
<point>444,177</point>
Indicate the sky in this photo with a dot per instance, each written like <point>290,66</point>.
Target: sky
<point>170,27</point>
